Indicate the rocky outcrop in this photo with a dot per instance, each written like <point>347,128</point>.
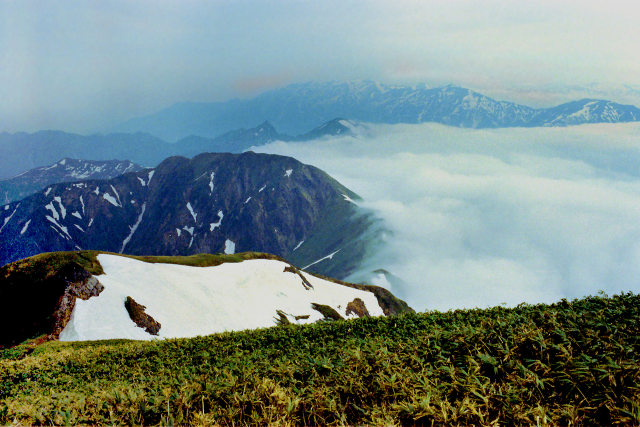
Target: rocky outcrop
<point>140,318</point>
<point>329,313</point>
<point>390,304</point>
<point>79,283</point>
<point>38,294</point>
<point>305,283</point>
<point>358,308</point>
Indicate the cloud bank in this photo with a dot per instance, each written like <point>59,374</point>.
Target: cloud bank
<point>487,217</point>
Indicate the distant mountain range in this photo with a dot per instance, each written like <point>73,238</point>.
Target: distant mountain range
<point>296,108</point>
<point>21,152</point>
<point>65,170</point>
<point>210,204</point>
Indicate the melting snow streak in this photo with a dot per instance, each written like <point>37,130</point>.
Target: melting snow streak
<point>133,228</point>
<point>193,214</point>
<point>63,211</point>
<point>330,256</point>
<point>7,219</point>
<point>25,227</point>
<point>53,210</point>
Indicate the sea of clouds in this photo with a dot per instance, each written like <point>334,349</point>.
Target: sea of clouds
<point>502,216</point>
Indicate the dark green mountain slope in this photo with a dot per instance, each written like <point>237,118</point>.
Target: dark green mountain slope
<point>209,204</point>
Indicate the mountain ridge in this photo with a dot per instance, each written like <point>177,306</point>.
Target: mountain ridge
<point>215,202</point>
<point>22,151</point>
<point>64,170</point>
<point>301,106</point>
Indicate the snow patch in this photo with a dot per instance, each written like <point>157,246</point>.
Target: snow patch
<point>288,172</point>
<point>214,225</point>
<point>26,225</point>
<point>46,193</point>
<point>150,176</point>
<point>53,210</point>
<point>133,228</point>
<point>211,183</point>
<point>90,222</point>
<point>191,301</point>
<point>76,214</point>
<point>78,227</point>
<point>349,199</point>
<point>330,256</point>
<point>247,201</point>
<point>97,191</point>
<point>193,214</point>
<point>7,219</point>
<point>262,188</point>
<point>82,203</point>
<point>63,211</point>
<point>142,182</point>
<point>179,232</point>
<point>109,198</point>
<point>229,247</point>
<point>117,195</point>
<point>61,227</point>
<point>298,245</point>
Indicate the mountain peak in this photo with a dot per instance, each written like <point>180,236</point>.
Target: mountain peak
<point>334,127</point>
<point>296,108</point>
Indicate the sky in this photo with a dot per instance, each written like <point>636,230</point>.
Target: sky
<point>484,217</point>
<point>87,66</point>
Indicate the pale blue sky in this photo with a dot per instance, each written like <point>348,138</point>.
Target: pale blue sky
<point>82,66</point>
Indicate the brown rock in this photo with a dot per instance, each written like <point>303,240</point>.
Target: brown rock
<point>305,283</point>
<point>79,283</point>
<point>357,306</point>
<point>140,318</point>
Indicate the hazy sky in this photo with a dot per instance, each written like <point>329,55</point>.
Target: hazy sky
<point>82,66</point>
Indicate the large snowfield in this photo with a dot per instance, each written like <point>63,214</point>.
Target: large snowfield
<point>191,301</point>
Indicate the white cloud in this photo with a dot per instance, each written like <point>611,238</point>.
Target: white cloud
<point>482,217</point>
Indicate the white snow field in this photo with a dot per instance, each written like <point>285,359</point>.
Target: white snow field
<point>191,301</point>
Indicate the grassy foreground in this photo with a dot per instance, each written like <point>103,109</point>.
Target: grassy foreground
<point>569,363</point>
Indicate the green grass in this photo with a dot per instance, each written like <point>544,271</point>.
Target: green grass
<point>43,265</point>
<point>568,363</point>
